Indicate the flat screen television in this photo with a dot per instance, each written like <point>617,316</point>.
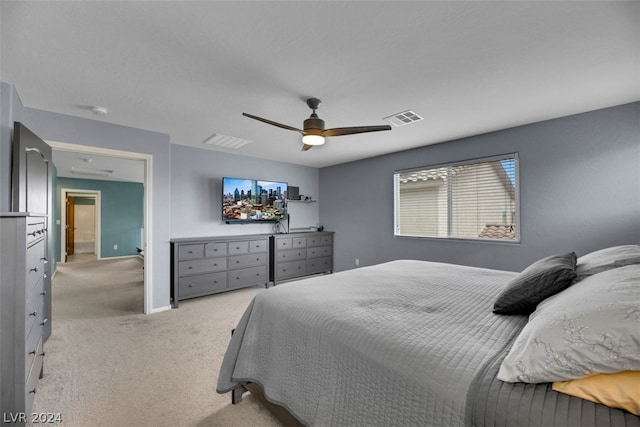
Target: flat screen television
<point>252,200</point>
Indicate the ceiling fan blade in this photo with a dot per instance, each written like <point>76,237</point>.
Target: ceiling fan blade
<point>307,147</point>
<point>280,125</point>
<point>354,130</point>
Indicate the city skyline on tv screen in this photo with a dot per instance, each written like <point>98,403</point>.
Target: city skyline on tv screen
<point>253,200</point>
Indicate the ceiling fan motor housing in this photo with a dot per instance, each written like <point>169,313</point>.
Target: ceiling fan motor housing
<point>313,123</point>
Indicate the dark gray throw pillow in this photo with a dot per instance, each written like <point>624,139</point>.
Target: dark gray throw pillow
<point>539,281</point>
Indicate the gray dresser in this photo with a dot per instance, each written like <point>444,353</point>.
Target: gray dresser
<point>208,265</point>
<point>300,254</point>
<point>23,267</point>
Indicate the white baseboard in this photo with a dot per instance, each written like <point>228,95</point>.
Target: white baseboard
<point>160,309</point>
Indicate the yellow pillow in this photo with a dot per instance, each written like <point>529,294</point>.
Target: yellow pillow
<point>619,390</point>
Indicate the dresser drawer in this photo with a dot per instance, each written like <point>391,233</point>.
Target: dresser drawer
<point>299,242</point>
<point>257,246</point>
<point>290,269</point>
<point>35,229</point>
<point>243,261</point>
<point>318,265</point>
<point>31,384</point>
<point>284,243</point>
<point>236,248</point>
<point>291,255</point>
<point>213,249</point>
<point>202,284</point>
<point>35,264</point>
<point>186,252</point>
<point>247,276</point>
<point>205,265</point>
<point>320,251</point>
<point>320,240</point>
<point>34,306</point>
<point>31,347</point>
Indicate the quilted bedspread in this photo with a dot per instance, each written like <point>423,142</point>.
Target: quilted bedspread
<point>402,343</point>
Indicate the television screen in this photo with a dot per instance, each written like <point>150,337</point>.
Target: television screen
<point>251,200</point>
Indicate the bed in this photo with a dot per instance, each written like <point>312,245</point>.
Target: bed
<point>401,343</point>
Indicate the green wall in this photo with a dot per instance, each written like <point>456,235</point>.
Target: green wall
<point>121,214</point>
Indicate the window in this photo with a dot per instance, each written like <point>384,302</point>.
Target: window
<point>476,199</point>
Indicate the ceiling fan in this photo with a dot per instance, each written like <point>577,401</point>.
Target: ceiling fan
<point>313,131</point>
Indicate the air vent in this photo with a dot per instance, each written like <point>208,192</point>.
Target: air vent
<point>404,118</point>
<point>226,141</point>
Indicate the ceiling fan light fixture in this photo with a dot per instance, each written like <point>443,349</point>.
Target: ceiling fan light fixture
<point>313,139</point>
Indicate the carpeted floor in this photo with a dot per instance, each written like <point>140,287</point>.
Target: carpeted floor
<point>107,364</point>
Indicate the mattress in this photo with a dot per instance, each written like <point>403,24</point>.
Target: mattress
<point>400,343</point>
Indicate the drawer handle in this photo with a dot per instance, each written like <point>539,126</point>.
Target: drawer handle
<point>190,268</point>
<point>257,274</point>
<point>44,259</point>
<point>43,293</point>
<point>32,234</point>
<point>257,259</point>
<point>237,261</point>
<point>44,322</point>
<point>237,247</point>
<point>237,278</point>
<point>42,354</point>
<point>190,286</point>
<point>34,269</point>
<point>190,252</point>
<point>33,391</point>
<point>215,281</point>
<point>34,314</point>
<point>34,351</point>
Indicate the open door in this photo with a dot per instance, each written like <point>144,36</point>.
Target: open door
<point>71,227</point>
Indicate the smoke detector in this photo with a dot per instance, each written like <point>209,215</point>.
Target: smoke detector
<point>99,111</point>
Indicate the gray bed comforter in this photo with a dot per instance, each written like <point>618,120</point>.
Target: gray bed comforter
<point>397,344</point>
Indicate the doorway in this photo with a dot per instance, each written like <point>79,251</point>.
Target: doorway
<point>81,222</point>
<point>146,235</point>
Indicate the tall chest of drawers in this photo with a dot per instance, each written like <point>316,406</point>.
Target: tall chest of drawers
<point>22,306</point>
<point>203,266</point>
<point>300,254</point>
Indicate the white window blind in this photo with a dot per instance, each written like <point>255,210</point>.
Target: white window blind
<point>475,200</point>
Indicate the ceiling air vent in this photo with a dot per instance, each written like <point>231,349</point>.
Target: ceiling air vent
<point>226,141</point>
<point>402,119</point>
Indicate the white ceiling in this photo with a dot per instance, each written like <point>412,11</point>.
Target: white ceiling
<point>190,68</point>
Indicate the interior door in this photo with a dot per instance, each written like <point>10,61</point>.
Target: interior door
<point>71,226</point>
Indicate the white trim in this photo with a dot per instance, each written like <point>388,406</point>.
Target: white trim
<point>159,309</point>
<point>148,212</point>
<point>63,220</point>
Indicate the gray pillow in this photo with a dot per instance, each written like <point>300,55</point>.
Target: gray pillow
<point>591,327</point>
<point>539,281</point>
<point>606,259</point>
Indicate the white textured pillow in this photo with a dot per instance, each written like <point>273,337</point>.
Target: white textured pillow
<point>591,327</point>
<point>606,259</point>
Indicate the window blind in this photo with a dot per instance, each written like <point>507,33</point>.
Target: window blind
<point>475,200</point>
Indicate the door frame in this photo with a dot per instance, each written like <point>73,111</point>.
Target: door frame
<point>148,203</point>
<point>63,219</point>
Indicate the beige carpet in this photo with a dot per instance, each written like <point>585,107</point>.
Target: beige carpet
<point>107,364</point>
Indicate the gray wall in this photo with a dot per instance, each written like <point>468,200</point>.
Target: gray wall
<point>580,191</point>
<point>74,130</point>
<point>196,190</point>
